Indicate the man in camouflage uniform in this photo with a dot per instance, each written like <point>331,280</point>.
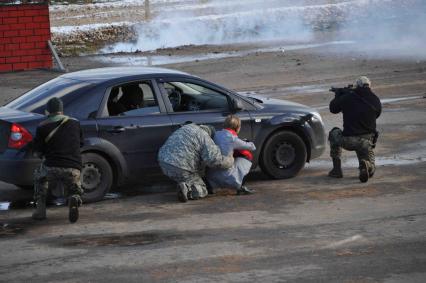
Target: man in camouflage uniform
<point>185,155</point>
<point>360,108</point>
<point>58,140</point>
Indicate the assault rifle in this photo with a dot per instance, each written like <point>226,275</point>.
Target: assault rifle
<point>338,91</point>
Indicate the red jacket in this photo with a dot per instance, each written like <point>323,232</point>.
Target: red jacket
<point>241,153</point>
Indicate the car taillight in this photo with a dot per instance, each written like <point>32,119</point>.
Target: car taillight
<point>19,136</point>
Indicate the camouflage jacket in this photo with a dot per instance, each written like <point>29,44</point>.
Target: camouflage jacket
<point>191,148</point>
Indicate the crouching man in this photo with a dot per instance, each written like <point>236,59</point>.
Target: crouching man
<point>360,108</point>
<point>58,140</point>
<point>186,154</point>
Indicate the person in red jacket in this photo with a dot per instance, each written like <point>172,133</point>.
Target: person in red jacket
<point>230,144</point>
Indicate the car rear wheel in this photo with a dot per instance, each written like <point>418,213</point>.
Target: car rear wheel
<point>96,177</point>
<point>283,155</point>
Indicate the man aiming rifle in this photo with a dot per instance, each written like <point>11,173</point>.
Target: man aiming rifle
<point>360,108</point>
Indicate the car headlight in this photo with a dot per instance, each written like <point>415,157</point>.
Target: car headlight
<point>316,117</point>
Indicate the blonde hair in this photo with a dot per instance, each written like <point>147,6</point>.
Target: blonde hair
<point>232,122</point>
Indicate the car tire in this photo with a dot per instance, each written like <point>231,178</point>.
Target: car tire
<point>283,155</point>
<point>96,177</point>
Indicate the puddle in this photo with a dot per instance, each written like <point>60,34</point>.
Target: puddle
<point>398,99</point>
<point>137,239</point>
<point>7,230</point>
<point>306,89</point>
<point>278,92</point>
<point>113,196</point>
<point>383,101</point>
<point>29,203</point>
<point>155,60</point>
<point>20,204</point>
<point>396,160</point>
<point>4,205</point>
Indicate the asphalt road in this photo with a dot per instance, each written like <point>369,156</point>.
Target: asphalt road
<point>307,229</point>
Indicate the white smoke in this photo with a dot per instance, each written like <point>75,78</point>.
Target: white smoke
<point>220,22</point>
<point>380,28</point>
<point>387,28</point>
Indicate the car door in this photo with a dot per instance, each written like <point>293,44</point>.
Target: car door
<point>138,132</point>
<point>200,103</point>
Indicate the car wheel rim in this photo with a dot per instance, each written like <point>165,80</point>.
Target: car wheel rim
<point>90,177</point>
<point>284,155</point>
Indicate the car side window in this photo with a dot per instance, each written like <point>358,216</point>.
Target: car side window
<point>132,99</point>
<point>188,96</point>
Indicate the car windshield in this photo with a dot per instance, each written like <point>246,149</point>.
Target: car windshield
<point>36,99</point>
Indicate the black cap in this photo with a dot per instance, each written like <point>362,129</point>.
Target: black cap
<point>54,105</point>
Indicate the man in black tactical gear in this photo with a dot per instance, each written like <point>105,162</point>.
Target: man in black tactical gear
<point>58,140</point>
<point>360,108</point>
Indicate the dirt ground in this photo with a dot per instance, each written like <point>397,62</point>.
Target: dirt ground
<point>307,229</point>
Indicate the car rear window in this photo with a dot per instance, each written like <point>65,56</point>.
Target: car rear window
<point>36,99</point>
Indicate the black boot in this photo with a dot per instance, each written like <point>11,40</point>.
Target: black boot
<point>183,192</point>
<point>336,172</point>
<point>73,203</point>
<point>40,212</point>
<point>363,171</point>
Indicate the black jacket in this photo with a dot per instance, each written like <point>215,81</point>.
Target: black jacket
<point>360,108</point>
<point>63,149</point>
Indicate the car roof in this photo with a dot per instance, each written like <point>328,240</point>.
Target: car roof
<point>110,73</point>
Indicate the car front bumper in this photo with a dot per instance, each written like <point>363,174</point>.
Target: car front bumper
<point>316,132</point>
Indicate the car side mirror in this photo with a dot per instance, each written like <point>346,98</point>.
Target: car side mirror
<point>237,105</point>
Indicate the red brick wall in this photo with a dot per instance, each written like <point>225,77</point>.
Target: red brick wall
<point>24,31</point>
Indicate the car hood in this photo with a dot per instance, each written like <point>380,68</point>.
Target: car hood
<point>271,104</point>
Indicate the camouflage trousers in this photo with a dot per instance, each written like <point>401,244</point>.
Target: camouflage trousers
<point>69,177</point>
<point>194,180</point>
<point>362,145</point>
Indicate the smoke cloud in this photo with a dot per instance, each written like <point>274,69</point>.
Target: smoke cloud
<point>386,28</point>
<point>381,28</point>
<point>219,22</point>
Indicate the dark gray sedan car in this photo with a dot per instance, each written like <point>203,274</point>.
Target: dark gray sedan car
<point>127,114</point>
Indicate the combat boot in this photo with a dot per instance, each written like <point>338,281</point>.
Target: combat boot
<point>363,171</point>
<point>73,203</point>
<point>40,212</point>
<point>336,172</point>
<point>183,192</point>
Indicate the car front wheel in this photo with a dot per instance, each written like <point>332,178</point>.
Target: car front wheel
<point>96,177</point>
<point>283,155</point>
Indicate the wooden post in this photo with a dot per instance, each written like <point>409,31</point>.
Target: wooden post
<point>147,11</point>
<point>55,55</point>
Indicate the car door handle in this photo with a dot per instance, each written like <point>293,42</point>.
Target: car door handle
<point>116,130</point>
